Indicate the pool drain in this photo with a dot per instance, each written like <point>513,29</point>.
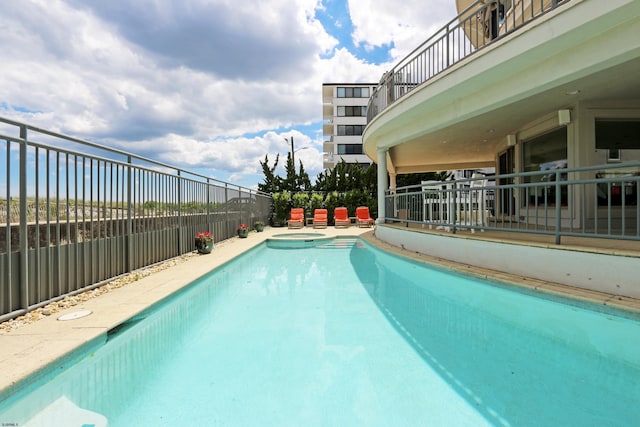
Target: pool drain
<point>75,315</point>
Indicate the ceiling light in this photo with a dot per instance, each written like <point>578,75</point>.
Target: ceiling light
<point>572,92</point>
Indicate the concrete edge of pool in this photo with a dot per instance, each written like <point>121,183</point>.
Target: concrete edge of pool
<point>30,348</point>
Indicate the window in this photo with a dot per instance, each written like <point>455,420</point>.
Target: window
<point>352,111</point>
<point>353,92</point>
<point>614,154</point>
<point>349,148</point>
<point>617,135</point>
<point>348,130</point>
<point>542,153</point>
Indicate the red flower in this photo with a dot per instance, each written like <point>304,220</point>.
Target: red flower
<point>204,236</point>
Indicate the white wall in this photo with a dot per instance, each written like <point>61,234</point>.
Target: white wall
<point>612,274</point>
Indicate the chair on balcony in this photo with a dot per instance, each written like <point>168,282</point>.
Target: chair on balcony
<point>296,219</point>
<point>341,217</point>
<point>363,218</point>
<point>320,218</point>
<point>435,202</point>
<point>473,210</point>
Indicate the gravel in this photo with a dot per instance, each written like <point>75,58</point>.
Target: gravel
<point>70,301</point>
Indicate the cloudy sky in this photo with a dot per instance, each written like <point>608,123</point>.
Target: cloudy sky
<point>208,85</point>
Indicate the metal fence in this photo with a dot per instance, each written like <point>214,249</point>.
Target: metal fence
<point>74,214</point>
<point>596,201</point>
<point>482,23</point>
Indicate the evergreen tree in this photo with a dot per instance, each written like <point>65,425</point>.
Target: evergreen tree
<point>290,183</point>
<point>370,180</point>
<point>271,180</point>
<point>304,183</point>
<point>342,172</point>
<point>406,180</point>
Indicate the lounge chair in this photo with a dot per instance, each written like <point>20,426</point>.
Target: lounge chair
<point>341,217</point>
<point>363,219</point>
<point>320,218</point>
<point>296,219</point>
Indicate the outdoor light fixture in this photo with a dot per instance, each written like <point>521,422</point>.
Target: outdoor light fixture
<point>293,151</point>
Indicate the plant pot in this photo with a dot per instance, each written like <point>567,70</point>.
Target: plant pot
<point>243,233</point>
<point>204,247</point>
<point>259,228</point>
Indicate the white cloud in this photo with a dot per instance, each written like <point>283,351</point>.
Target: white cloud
<point>190,82</point>
<point>406,24</point>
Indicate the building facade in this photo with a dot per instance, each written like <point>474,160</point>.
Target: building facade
<point>344,112</point>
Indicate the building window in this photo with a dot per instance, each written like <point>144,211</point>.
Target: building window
<point>616,135</point>
<point>546,152</point>
<point>349,148</point>
<point>352,111</point>
<point>349,130</point>
<point>353,92</point>
<point>614,154</point>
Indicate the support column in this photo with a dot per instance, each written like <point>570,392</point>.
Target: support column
<point>382,184</point>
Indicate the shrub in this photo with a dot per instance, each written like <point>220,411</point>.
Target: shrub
<point>281,205</point>
<point>300,200</point>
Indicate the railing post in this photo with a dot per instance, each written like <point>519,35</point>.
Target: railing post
<point>129,216</point>
<point>454,208</point>
<point>448,33</point>
<point>558,208</point>
<point>24,231</point>
<point>226,209</point>
<point>8,273</point>
<point>180,224</point>
<point>208,199</point>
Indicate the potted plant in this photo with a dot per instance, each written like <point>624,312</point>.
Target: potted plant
<point>259,226</point>
<point>204,242</point>
<point>243,230</point>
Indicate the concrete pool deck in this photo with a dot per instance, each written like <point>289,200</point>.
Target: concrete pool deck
<point>27,349</point>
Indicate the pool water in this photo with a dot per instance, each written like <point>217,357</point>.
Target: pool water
<point>340,334</point>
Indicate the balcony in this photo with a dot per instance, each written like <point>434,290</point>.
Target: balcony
<point>454,102</point>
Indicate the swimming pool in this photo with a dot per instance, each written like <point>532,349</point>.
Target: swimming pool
<point>342,333</point>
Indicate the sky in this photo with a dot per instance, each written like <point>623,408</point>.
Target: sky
<point>210,86</point>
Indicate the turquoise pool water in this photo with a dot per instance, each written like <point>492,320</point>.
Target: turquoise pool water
<point>343,334</point>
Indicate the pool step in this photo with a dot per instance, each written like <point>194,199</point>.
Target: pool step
<point>63,412</point>
<point>338,244</point>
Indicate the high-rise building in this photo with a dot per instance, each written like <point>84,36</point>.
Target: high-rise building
<point>344,112</point>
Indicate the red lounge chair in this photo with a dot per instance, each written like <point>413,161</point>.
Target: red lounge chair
<point>320,217</point>
<point>341,217</point>
<point>296,219</point>
<point>363,219</point>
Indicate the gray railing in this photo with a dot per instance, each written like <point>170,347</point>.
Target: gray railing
<point>74,214</point>
<point>482,23</point>
<point>595,201</point>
